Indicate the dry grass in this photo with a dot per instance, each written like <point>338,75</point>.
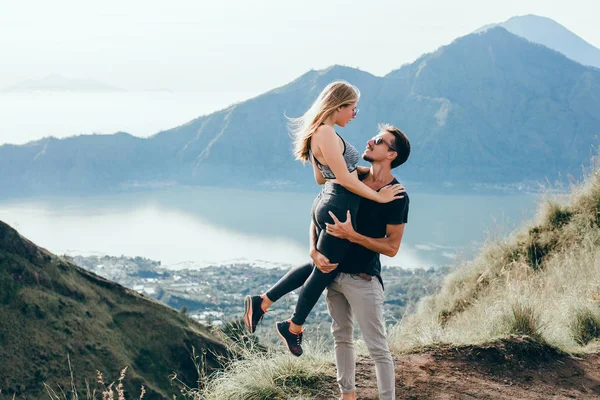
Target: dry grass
<point>106,392</point>
<point>257,374</point>
<point>542,281</point>
<point>267,374</point>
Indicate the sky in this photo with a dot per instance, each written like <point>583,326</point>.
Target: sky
<point>242,46</point>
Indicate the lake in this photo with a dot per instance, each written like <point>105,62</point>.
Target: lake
<point>199,226</point>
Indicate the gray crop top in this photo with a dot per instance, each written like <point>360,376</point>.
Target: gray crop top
<point>351,157</point>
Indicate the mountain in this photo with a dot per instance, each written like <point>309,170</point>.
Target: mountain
<point>493,105</point>
<point>78,163</point>
<point>553,35</point>
<point>490,107</point>
<point>50,308</point>
<point>59,83</point>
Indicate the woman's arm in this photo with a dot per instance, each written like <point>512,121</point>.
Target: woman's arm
<point>327,142</point>
<point>318,175</point>
<point>362,170</point>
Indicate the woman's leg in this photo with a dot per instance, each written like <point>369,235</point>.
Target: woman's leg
<point>256,306</point>
<point>290,331</point>
<point>294,277</point>
<point>310,293</point>
<point>332,247</point>
<point>292,280</point>
<point>333,198</point>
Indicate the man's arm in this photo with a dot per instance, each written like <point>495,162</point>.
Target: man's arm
<point>388,245</point>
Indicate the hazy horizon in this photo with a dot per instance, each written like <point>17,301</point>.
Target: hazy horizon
<point>242,47</point>
<point>207,56</point>
<point>30,116</point>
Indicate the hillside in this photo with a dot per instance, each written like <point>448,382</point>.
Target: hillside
<point>490,107</point>
<point>51,309</point>
<point>542,281</point>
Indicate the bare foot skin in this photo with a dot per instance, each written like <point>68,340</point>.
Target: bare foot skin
<point>266,302</point>
<point>295,328</point>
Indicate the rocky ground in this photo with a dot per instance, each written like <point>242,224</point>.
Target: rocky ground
<point>518,368</point>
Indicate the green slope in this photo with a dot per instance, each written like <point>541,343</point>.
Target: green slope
<point>50,308</point>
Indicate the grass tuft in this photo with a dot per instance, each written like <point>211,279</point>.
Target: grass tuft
<point>523,320</point>
<point>268,374</point>
<point>585,326</point>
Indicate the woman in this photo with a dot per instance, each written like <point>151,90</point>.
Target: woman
<point>334,164</point>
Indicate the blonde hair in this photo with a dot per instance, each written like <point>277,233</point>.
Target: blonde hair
<point>335,95</point>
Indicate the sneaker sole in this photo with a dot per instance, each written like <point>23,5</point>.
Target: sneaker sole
<point>248,313</point>
<point>285,341</point>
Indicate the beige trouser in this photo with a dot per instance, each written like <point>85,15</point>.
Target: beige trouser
<point>350,294</point>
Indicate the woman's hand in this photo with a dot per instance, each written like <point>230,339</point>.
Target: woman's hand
<point>322,262</point>
<point>390,193</point>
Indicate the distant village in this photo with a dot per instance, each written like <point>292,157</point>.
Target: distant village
<point>214,295</point>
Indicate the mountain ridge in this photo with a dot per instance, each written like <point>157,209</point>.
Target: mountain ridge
<point>489,107</point>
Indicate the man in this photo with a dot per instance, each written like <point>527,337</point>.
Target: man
<point>358,288</point>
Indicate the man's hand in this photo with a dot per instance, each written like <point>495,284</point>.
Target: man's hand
<point>342,230</point>
<point>322,262</point>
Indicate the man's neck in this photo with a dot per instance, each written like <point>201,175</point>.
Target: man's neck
<point>379,176</point>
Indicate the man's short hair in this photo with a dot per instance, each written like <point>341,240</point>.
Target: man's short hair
<point>401,144</point>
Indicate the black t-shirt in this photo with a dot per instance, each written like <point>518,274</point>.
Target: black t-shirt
<point>371,221</point>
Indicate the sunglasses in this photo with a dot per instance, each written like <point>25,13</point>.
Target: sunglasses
<point>378,140</point>
<point>354,112</point>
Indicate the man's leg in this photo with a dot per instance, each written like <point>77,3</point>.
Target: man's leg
<point>366,299</point>
<point>342,330</point>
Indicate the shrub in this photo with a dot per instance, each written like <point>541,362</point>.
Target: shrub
<point>8,288</point>
<point>522,320</point>
<point>585,326</point>
<point>557,215</point>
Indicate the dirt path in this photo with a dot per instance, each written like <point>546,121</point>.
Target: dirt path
<point>515,369</point>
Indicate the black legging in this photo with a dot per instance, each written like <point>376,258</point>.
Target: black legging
<point>339,200</point>
<point>335,198</point>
